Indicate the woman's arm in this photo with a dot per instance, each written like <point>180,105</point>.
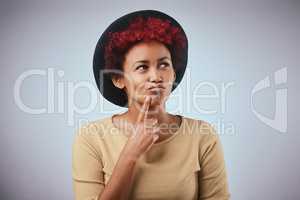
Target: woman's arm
<point>88,175</point>
<point>141,140</point>
<point>213,183</point>
<point>120,183</point>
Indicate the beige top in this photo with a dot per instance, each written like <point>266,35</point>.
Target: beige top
<point>188,165</point>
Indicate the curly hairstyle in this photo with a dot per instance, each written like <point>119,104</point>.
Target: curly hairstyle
<point>144,29</point>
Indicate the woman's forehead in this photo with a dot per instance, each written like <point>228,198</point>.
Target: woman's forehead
<point>147,51</point>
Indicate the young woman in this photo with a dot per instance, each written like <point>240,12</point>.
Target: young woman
<point>145,152</point>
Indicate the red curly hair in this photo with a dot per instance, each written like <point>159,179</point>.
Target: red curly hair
<point>144,29</point>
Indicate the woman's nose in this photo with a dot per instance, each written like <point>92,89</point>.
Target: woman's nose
<point>154,75</point>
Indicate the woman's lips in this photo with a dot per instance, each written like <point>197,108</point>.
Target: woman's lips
<point>156,87</point>
<point>156,91</point>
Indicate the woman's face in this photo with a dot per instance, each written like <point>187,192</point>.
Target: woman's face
<point>147,70</point>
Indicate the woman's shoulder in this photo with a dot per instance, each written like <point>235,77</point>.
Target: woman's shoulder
<point>93,127</point>
<point>193,123</point>
<point>93,131</point>
<point>201,129</point>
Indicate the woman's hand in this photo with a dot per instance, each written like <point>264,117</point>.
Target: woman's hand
<point>143,134</point>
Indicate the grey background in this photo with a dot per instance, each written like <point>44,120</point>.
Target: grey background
<point>230,41</point>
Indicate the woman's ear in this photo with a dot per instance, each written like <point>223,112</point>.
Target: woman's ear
<point>118,81</point>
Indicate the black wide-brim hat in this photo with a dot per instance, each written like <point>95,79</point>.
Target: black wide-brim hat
<point>103,80</point>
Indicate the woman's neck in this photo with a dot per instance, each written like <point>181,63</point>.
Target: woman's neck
<point>129,118</point>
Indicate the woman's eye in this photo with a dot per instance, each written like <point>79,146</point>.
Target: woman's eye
<point>164,64</point>
<point>141,67</point>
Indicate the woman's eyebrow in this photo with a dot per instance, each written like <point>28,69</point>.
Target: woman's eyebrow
<point>165,57</point>
<point>146,61</point>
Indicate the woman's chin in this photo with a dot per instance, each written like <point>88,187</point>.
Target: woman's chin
<point>154,99</point>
